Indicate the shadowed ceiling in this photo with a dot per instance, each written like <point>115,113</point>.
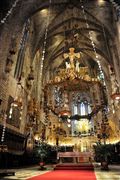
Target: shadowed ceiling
<point>67,21</point>
<point>71,24</point>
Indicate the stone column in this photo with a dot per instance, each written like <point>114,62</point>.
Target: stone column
<point>115,62</point>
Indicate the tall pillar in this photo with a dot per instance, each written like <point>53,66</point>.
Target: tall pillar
<point>116,63</point>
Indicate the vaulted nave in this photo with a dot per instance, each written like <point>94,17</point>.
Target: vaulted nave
<point>60,89</point>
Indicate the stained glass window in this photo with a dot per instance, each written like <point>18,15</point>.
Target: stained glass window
<point>82,108</point>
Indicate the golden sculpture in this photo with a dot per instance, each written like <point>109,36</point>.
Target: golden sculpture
<point>71,55</point>
<point>73,70</point>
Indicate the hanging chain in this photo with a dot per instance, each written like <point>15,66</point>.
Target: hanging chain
<point>4,127</point>
<point>44,44</point>
<point>101,74</point>
<point>94,48</point>
<point>3,21</point>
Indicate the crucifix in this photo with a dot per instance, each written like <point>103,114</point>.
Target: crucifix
<point>71,55</point>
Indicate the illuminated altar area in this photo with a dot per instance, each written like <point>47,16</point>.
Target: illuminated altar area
<point>72,104</point>
<point>70,97</point>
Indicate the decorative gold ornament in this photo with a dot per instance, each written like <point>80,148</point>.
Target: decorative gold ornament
<point>73,73</point>
<point>71,55</point>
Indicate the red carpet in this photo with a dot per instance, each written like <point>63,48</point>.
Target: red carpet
<point>66,175</point>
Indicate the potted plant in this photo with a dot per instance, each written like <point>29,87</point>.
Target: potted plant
<point>41,153</point>
<point>102,154</point>
<point>104,158</point>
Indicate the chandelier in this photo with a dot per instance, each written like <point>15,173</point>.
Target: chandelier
<point>65,112</point>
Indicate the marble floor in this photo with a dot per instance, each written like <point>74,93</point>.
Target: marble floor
<point>112,174</point>
<point>23,174</point>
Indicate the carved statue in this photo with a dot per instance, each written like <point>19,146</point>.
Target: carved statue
<point>115,85</point>
<point>77,66</point>
<point>71,55</point>
<point>67,65</point>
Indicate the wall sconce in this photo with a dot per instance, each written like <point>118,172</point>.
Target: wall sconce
<point>115,96</point>
<point>12,51</point>
<point>8,65</point>
<point>31,74</point>
<point>3,148</point>
<point>30,107</point>
<point>30,78</point>
<point>17,102</point>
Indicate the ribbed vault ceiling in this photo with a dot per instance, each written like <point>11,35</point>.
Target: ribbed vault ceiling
<point>66,18</point>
